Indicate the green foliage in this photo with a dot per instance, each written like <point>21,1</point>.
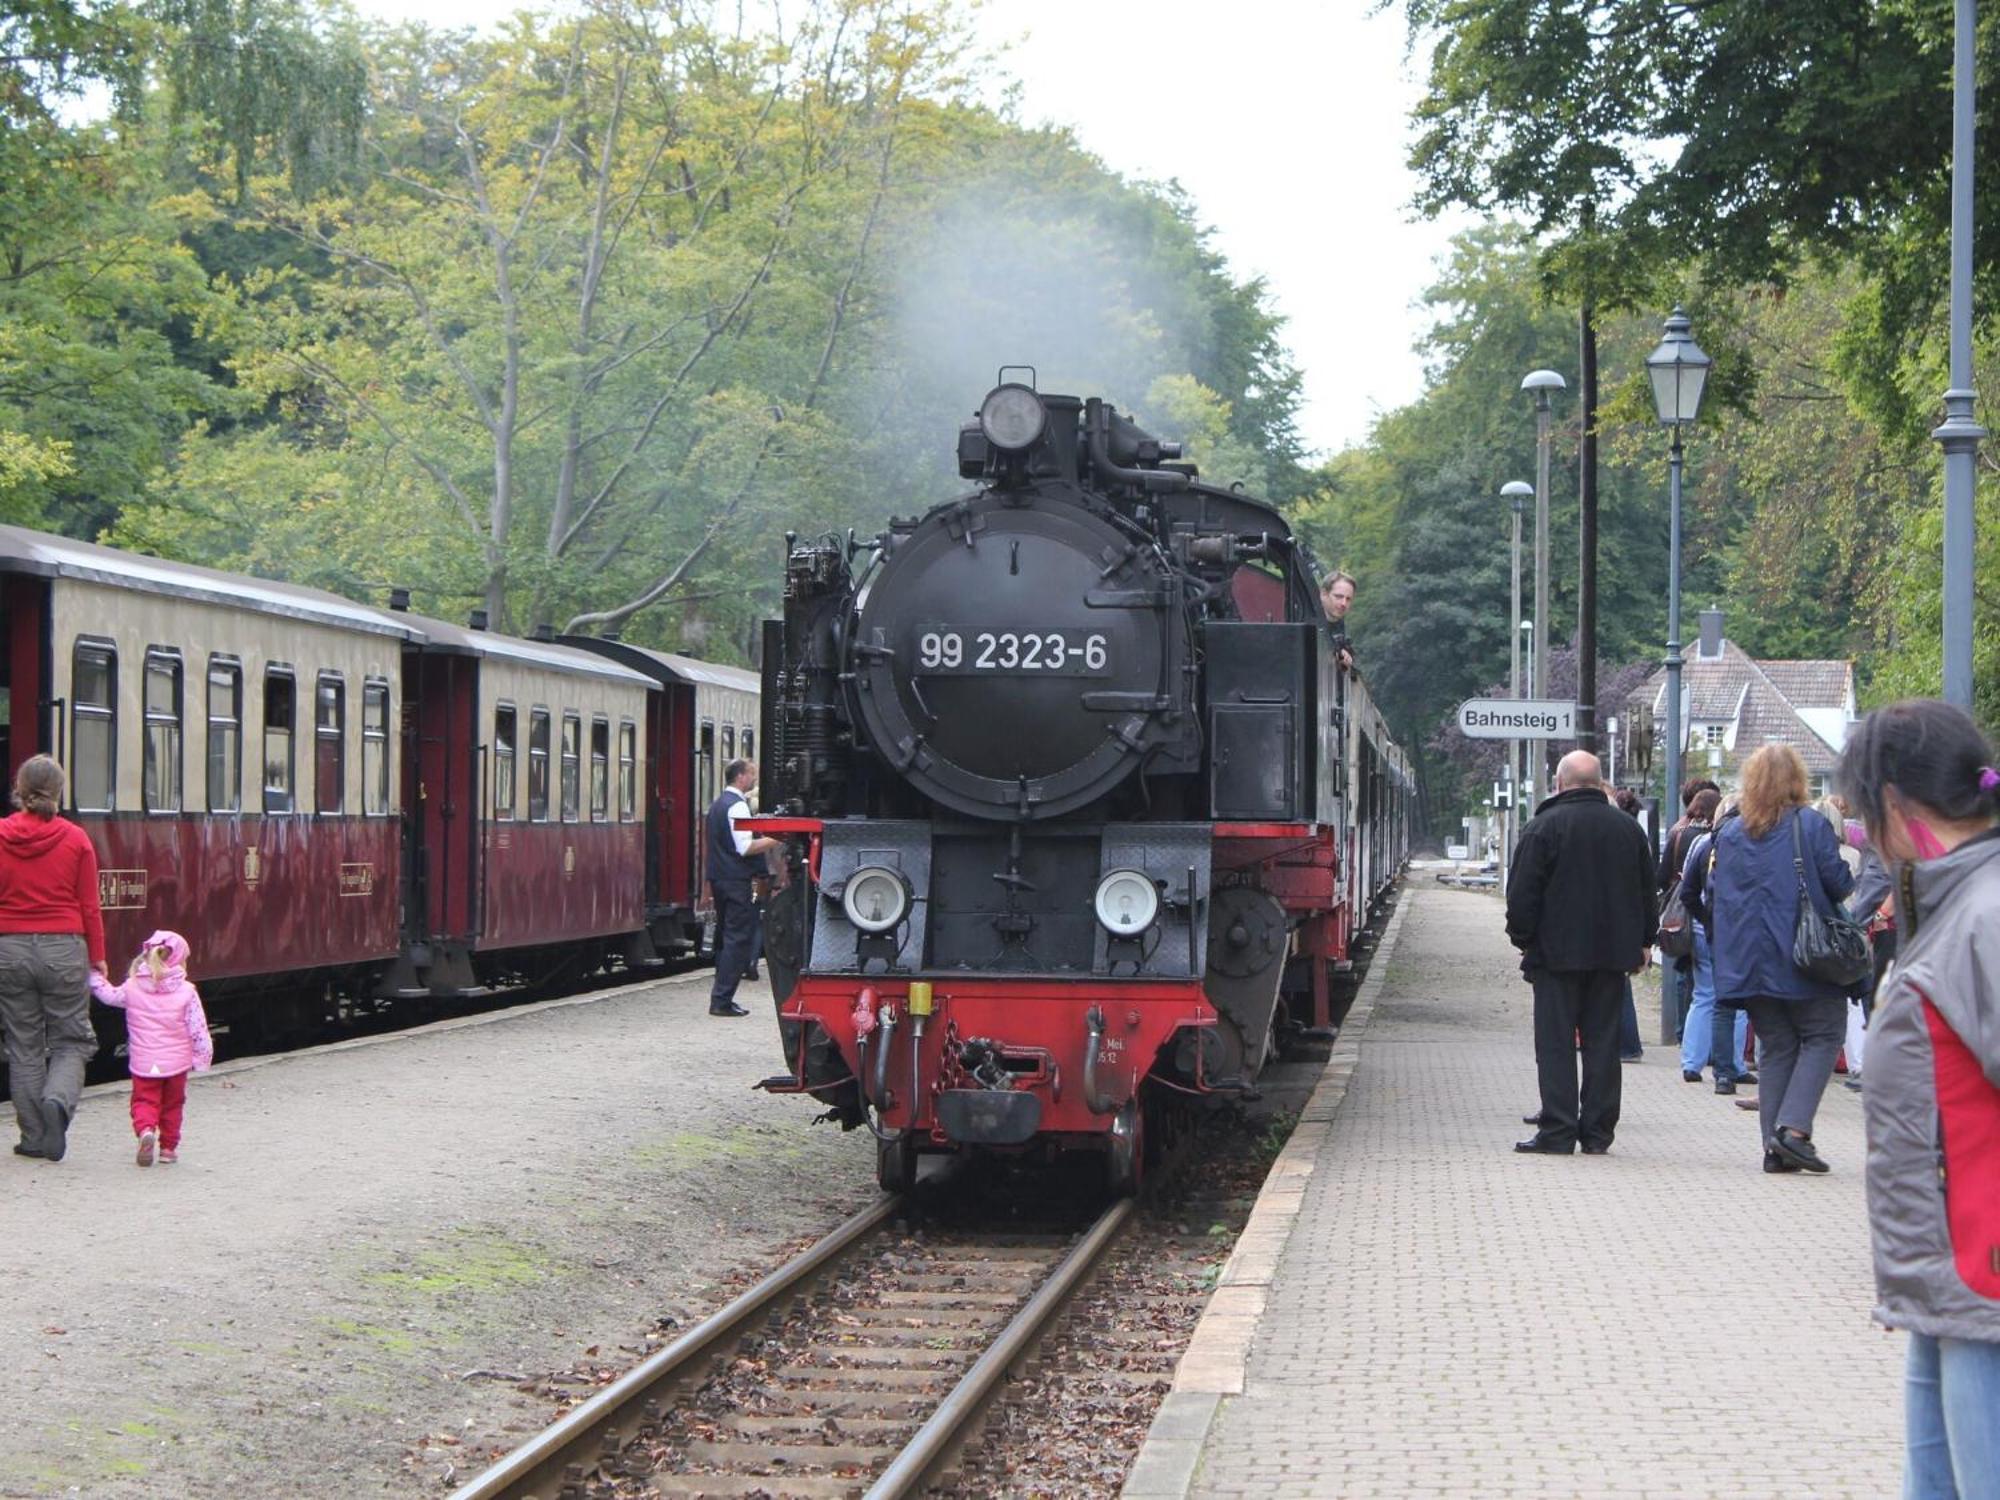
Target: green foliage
<point>267,80</point>
<point>575,318</point>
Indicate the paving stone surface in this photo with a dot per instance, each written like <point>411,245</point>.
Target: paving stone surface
<point>1448,1318</point>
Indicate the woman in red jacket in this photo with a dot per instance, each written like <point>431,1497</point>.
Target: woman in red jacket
<point>51,937</point>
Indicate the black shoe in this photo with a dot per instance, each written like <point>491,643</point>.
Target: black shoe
<point>752,975</point>
<point>55,1129</point>
<point>1773,1162</point>
<point>1851,1083</point>
<point>1537,1145</point>
<point>1631,1056</point>
<point>1725,1085</point>
<point>1687,1077</point>
<point>22,1148</point>
<point>727,1008</point>
<point>1533,1119</point>
<point>1749,1078</point>
<point>1596,1148</point>
<point>1798,1150</point>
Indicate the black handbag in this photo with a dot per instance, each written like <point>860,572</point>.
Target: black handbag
<point>1676,935</point>
<point>1831,949</point>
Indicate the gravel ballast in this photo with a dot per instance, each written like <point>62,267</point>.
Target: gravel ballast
<point>365,1248</point>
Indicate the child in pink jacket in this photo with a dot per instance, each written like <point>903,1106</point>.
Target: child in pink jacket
<point>166,1034</point>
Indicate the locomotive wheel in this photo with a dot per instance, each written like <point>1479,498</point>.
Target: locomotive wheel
<point>895,1165</point>
<point>1125,1151</point>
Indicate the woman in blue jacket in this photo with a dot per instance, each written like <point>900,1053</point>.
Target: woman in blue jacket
<point>1754,895</point>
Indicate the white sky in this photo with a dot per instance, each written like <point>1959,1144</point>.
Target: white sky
<point>1286,121</point>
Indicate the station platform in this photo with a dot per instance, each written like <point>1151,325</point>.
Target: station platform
<point>1414,1309</point>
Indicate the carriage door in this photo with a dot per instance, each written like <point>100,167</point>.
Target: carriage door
<point>674,810</point>
<point>24,693</point>
<point>445,807</point>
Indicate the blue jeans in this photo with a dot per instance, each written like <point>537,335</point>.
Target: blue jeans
<point>1698,1031</point>
<point>1950,1396</point>
<point>1628,1025</point>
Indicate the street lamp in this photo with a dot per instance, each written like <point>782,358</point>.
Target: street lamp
<point>1517,495</point>
<point>1544,384</point>
<point>1528,690</point>
<point>1961,435</point>
<point>1678,370</point>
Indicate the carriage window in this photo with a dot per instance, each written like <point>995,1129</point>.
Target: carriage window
<point>503,762</point>
<point>628,772</point>
<point>225,735</point>
<point>330,743</point>
<point>704,769</point>
<point>538,766</point>
<point>572,766</point>
<point>160,785</point>
<point>280,718</point>
<point>374,748</point>
<point>749,744</point>
<point>600,770</point>
<point>93,726</point>
<point>728,744</point>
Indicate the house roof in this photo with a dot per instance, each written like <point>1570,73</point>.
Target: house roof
<point>1812,684</point>
<point>1763,699</point>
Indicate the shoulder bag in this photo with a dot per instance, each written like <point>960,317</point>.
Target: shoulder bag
<point>1831,949</point>
<point>1676,934</point>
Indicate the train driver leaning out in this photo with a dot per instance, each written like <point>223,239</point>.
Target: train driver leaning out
<point>730,867</point>
<point>1336,596</point>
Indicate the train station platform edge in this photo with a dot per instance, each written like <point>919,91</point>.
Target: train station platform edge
<point>1217,1356</point>
<point>1414,1309</point>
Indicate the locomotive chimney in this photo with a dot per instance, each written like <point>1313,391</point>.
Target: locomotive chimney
<point>399,599</point>
<point>477,619</point>
<point>543,631</point>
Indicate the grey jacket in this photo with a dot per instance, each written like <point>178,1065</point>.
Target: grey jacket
<point>1933,1102</point>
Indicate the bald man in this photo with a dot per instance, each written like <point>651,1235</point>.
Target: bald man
<point>1580,907</point>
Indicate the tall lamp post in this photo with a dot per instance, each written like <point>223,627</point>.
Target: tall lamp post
<point>1678,370</point>
<point>1544,384</point>
<point>1517,495</point>
<point>1960,435</point>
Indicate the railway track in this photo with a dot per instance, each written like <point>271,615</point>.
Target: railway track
<point>866,1386</point>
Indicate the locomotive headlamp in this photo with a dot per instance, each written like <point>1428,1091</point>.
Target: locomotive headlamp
<point>1127,902</point>
<point>1013,417</point>
<point>875,898</point>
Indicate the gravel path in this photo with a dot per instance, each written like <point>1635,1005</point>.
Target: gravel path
<point>363,1247</point>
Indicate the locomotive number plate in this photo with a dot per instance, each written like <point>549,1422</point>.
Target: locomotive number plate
<point>953,651</point>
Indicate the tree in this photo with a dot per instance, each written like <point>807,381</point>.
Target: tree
<point>617,298</point>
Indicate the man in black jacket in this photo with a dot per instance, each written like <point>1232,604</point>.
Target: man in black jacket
<point>1580,907</point>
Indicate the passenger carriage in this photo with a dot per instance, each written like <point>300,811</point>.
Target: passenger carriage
<point>342,804</point>
<point>524,783</point>
<point>232,752</point>
<point>701,716</point>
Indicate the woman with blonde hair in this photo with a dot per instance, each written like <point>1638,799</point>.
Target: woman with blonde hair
<point>1760,859</point>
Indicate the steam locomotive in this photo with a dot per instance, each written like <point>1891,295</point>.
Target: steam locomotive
<point>1083,811</point>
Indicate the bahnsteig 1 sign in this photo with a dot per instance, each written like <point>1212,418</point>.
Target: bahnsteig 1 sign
<point>1516,719</point>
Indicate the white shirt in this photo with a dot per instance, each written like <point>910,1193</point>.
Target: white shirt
<point>738,810</point>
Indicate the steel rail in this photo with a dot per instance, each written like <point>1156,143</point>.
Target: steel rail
<point>935,1439</point>
<point>536,1468</point>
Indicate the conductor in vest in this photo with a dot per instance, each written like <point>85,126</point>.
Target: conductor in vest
<point>732,861</point>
